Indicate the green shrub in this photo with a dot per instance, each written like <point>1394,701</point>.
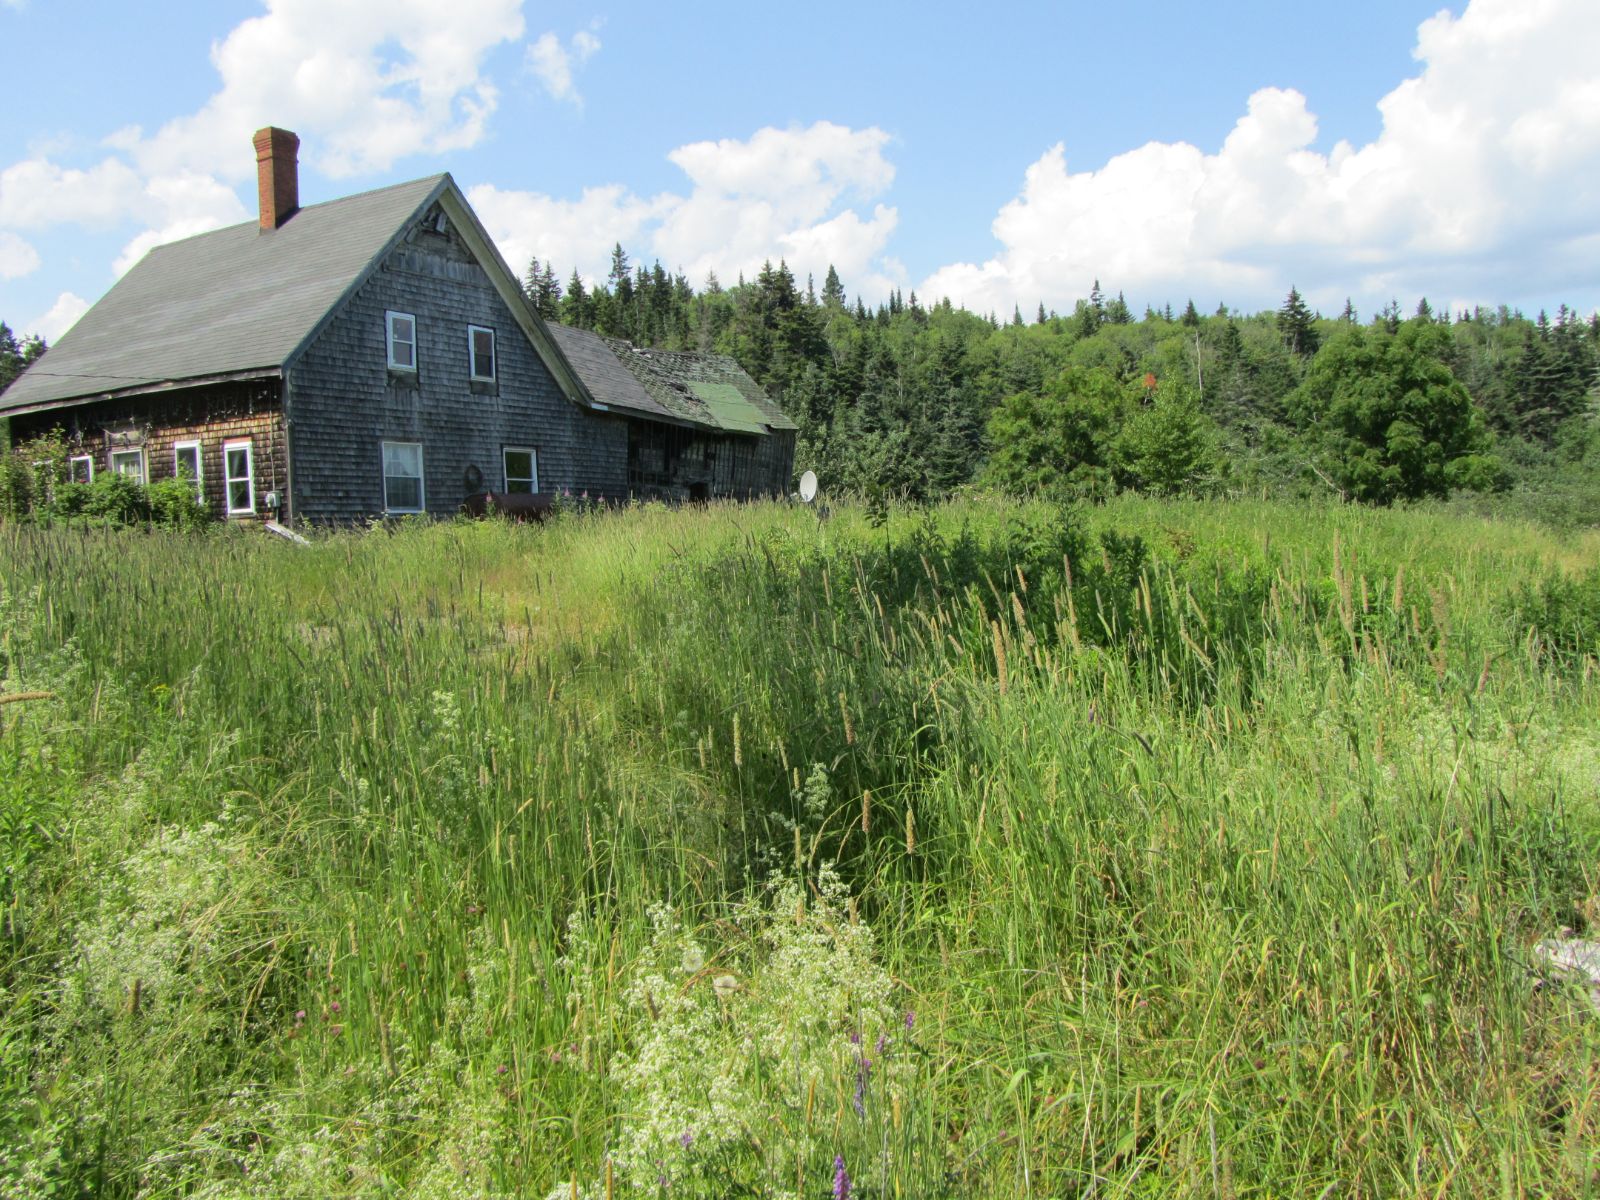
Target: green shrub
<point>1563,612</point>
<point>117,498</point>
<point>173,503</point>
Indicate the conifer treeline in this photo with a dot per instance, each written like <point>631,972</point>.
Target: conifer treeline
<point>899,398</point>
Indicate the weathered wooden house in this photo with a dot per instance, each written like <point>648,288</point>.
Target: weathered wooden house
<point>374,356</point>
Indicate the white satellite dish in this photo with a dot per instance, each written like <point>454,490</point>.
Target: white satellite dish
<point>808,486</point>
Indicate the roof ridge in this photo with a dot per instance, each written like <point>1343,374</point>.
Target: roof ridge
<point>431,180</point>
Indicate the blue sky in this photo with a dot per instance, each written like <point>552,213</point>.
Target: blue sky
<point>1007,156</point>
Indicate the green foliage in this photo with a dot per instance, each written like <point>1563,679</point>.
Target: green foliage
<point>1168,447</point>
<point>117,499</point>
<point>1392,422</point>
<point>1562,611</point>
<point>173,504</point>
<point>1058,442</point>
<point>1297,326</point>
<point>15,355</point>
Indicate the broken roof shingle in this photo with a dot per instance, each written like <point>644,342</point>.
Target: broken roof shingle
<point>708,389</point>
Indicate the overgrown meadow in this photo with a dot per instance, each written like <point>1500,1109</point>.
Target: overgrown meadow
<point>991,850</point>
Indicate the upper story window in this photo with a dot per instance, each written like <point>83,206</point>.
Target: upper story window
<point>480,342</point>
<point>402,329</point>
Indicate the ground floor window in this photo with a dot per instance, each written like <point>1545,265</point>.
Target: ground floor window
<point>522,469</point>
<point>186,465</point>
<point>129,463</point>
<point>238,471</point>
<point>80,468</point>
<point>402,477</point>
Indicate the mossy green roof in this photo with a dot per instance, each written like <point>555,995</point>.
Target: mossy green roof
<point>729,409</point>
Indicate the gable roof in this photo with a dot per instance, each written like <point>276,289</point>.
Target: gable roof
<point>226,303</point>
<point>241,303</point>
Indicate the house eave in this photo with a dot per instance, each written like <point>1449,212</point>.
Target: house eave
<point>142,389</point>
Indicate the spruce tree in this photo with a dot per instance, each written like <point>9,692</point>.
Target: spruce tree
<point>832,289</point>
<point>575,309</point>
<point>1297,326</point>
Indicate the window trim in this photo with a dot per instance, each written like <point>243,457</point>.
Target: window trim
<point>199,466</point>
<point>421,477</point>
<point>392,341</point>
<point>472,354</point>
<point>505,469</point>
<point>72,463</point>
<point>142,477</point>
<point>249,476</point>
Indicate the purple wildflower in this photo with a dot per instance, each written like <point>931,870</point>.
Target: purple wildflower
<point>883,1044</point>
<point>911,1018</point>
<point>863,1077</point>
<point>334,1006</point>
<point>686,1138</point>
<point>841,1179</point>
<point>855,1037</point>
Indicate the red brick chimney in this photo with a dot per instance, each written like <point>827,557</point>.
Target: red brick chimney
<point>277,175</point>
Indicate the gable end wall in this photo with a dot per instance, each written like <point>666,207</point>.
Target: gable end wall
<point>344,402</point>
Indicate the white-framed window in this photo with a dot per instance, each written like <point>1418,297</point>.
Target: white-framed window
<point>480,350</point>
<point>402,337</point>
<point>522,469</point>
<point>238,477</point>
<point>402,477</point>
<point>186,465</point>
<point>80,468</point>
<point>129,463</point>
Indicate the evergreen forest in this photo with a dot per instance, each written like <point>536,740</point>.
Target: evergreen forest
<point>915,401</point>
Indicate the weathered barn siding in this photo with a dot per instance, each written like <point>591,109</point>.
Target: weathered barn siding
<point>672,462</point>
<point>156,422</point>
<point>344,401</point>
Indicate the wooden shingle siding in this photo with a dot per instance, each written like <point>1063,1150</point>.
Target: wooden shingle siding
<point>156,423</point>
<point>344,401</point>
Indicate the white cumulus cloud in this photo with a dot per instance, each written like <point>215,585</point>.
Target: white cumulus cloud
<point>779,194</point>
<point>62,316</point>
<point>17,257</point>
<point>1484,179</point>
<point>553,64</point>
<point>364,82</point>
<point>36,194</point>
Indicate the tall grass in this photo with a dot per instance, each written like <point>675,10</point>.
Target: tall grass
<point>1201,847</point>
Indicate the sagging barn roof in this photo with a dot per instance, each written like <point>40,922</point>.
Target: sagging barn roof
<point>684,387</point>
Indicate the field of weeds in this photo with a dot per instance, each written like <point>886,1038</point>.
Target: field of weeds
<point>1153,849</point>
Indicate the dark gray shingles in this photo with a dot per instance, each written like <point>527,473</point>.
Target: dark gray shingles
<point>597,365</point>
<point>233,300</point>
